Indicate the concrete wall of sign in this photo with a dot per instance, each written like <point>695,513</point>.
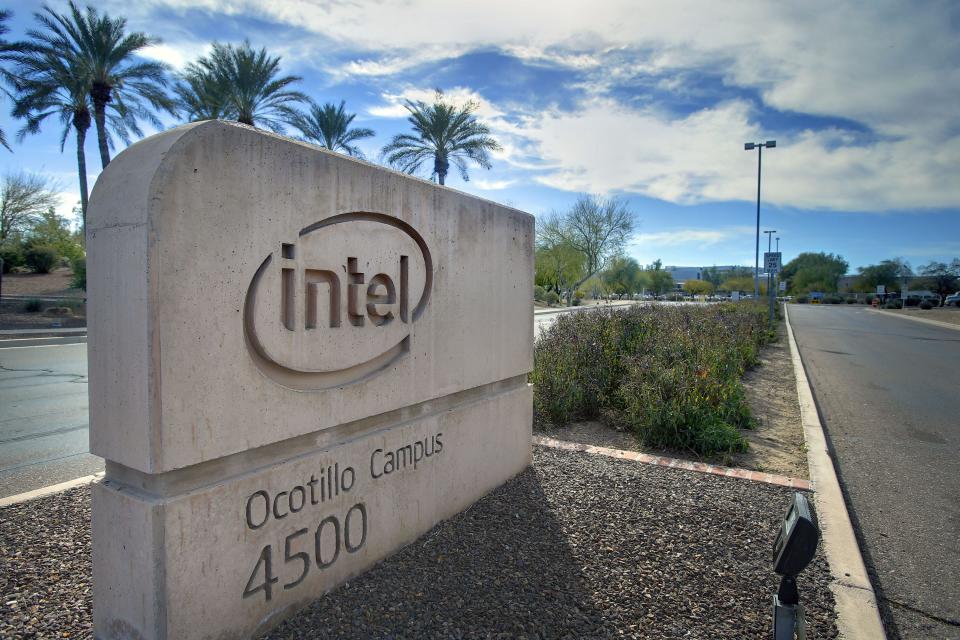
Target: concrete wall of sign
<point>298,363</point>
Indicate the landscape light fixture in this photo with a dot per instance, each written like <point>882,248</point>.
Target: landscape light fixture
<point>793,549</point>
<point>750,146</point>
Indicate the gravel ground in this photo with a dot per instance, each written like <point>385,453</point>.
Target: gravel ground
<point>578,546</point>
<point>45,567</point>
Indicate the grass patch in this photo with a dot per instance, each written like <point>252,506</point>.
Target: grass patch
<point>669,374</point>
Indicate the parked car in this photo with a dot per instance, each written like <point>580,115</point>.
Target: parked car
<point>952,300</point>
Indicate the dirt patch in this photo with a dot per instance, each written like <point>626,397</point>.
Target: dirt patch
<point>62,314</point>
<point>776,444</point>
<point>56,283</point>
<point>940,314</point>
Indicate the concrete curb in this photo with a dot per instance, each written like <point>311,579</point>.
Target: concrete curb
<point>50,490</point>
<point>58,331</point>
<point>857,614</point>
<point>936,323</point>
<point>677,463</point>
<point>586,307</point>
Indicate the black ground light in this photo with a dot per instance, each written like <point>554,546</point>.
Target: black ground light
<point>793,549</point>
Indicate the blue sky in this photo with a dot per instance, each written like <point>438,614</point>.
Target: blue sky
<point>648,101</point>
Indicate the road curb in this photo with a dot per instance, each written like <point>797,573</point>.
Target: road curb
<point>49,490</point>
<point>858,616</point>
<point>677,463</point>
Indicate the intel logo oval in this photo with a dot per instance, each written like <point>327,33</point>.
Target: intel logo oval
<point>337,303</point>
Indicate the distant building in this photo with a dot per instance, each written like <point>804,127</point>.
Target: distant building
<point>682,274</point>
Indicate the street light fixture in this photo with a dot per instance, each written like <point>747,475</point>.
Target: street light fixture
<point>750,146</point>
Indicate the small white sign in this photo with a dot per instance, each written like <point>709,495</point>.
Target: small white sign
<point>881,289</point>
<point>783,285</point>
<point>771,262</point>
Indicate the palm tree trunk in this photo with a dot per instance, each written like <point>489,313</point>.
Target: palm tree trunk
<point>100,95</point>
<point>440,166</point>
<point>81,123</point>
<point>82,169</point>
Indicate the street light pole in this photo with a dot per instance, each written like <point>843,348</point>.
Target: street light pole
<point>750,146</point>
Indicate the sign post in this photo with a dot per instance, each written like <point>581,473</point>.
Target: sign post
<point>771,261</point>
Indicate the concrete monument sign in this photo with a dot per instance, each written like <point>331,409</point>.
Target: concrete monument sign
<point>298,364</point>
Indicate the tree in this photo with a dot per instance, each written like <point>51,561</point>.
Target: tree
<point>623,276</point>
<point>52,84</point>
<point>329,126</point>
<point>598,228</point>
<point>661,280</point>
<point>814,272</point>
<point>201,95</point>
<point>698,287</point>
<point>113,75</point>
<point>445,133</point>
<point>887,273</point>
<point>53,230</point>
<point>743,284</point>
<point>24,198</point>
<point>713,275</point>
<point>944,277</point>
<point>8,51</point>
<point>557,266</point>
<point>242,84</point>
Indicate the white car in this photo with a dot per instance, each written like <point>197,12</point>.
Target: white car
<point>952,299</point>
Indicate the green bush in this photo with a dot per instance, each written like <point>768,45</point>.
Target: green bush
<point>851,301</point>
<point>579,293</point>
<point>803,299</point>
<point>539,293</point>
<point>894,304</point>
<point>926,305</point>
<point>832,300</point>
<point>79,267</point>
<point>577,302</point>
<point>33,306</point>
<point>41,258</point>
<point>913,302</point>
<point>552,297</point>
<point>669,374</point>
<point>12,255</point>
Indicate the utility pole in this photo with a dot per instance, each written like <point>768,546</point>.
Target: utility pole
<point>750,146</point>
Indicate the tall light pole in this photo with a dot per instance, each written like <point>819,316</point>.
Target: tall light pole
<point>778,244</point>
<point>750,146</point>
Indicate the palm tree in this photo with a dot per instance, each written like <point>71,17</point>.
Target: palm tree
<point>134,88</point>
<point>202,96</point>
<point>329,126</point>
<point>254,94</point>
<point>444,132</point>
<point>51,85</point>
<point>8,50</point>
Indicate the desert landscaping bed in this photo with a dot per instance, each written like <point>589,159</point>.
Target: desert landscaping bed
<point>576,546</point>
<point>950,315</point>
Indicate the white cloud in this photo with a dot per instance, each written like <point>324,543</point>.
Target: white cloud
<point>492,185</point>
<point>698,237</point>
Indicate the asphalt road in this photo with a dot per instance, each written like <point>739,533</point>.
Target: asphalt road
<point>43,416</point>
<point>888,390</point>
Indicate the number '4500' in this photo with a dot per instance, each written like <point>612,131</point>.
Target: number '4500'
<point>342,539</point>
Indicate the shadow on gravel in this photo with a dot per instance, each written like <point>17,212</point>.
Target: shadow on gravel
<point>502,569</point>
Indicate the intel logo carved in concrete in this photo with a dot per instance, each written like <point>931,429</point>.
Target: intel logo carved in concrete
<point>337,305</point>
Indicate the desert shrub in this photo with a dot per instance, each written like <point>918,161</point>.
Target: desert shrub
<point>79,266</point>
<point>539,293</point>
<point>12,255</point>
<point>33,306</point>
<point>671,375</point>
<point>851,301</point>
<point>913,302</point>
<point>579,293</point>
<point>894,304</point>
<point>41,258</point>
<point>832,300</point>
<point>552,297</point>
<point>803,299</point>
<point>926,305</point>
<point>577,302</point>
